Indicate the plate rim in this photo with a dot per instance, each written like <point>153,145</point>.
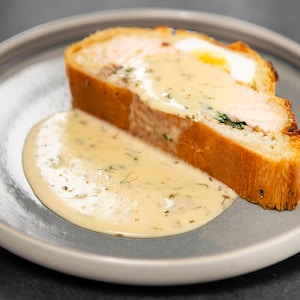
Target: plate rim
<point>17,241</point>
<point>253,33</point>
<point>62,259</point>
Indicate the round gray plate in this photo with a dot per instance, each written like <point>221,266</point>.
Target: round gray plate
<point>33,85</point>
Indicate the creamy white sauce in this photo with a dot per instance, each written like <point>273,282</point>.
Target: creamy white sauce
<point>100,178</point>
<point>186,86</point>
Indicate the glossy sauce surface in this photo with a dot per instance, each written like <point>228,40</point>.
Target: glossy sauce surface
<point>184,85</point>
<point>100,178</point>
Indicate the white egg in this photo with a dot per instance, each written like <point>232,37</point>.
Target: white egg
<point>242,68</point>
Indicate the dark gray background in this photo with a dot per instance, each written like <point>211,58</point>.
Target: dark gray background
<point>20,279</point>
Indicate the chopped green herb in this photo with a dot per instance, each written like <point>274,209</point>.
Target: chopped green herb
<point>156,228</point>
<point>128,70</point>
<point>132,155</point>
<point>166,137</point>
<point>223,118</point>
<point>208,97</point>
<point>190,117</point>
<point>127,179</point>
<point>83,122</point>
<point>202,184</point>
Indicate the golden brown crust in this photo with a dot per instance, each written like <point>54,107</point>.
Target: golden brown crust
<point>269,182</point>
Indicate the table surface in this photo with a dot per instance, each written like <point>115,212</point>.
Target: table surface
<point>20,279</point>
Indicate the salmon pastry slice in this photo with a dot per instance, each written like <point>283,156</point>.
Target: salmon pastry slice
<point>207,103</point>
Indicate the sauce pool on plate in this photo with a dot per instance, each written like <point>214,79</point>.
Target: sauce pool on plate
<point>100,178</point>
